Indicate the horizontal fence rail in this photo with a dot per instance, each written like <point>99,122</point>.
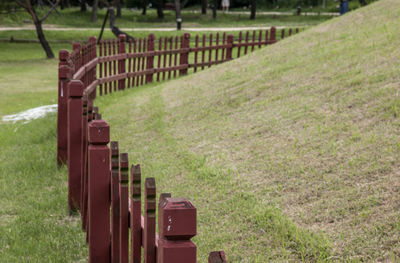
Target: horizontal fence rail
<point>101,184</point>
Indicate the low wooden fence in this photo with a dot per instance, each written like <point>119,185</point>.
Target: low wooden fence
<point>99,185</point>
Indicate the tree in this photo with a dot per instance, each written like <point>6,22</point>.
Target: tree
<point>215,9</point>
<point>28,6</point>
<point>253,10</point>
<point>144,7</point>
<point>83,5</point>
<point>160,6</point>
<point>119,3</point>
<point>94,10</point>
<point>204,7</point>
<point>362,2</point>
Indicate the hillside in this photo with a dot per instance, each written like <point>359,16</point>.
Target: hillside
<point>289,153</point>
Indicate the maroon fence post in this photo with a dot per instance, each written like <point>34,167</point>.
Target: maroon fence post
<point>230,47</point>
<point>99,191</point>
<point>64,75</point>
<point>150,57</point>
<point>149,236</point>
<point>121,62</point>
<point>273,34</point>
<point>136,214</point>
<point>77,47</point>
<point>84,145</point>
<point>124,208</point>
<point>176,226</point>
<point>114,202</point>
<point>184,58</point>
<point>75,113</point>
<point>217,257</point>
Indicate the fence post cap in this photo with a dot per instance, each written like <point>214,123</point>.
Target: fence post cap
<point>76,45</point>
<point>99,132</point>
<point>64,72</point>
<point>151,37</point>
<point>63,54</point>
<point>122,37</point>
<point>75,88</point>
<point>186,35</point>
<point>177,219</point>
<point>92,39</point>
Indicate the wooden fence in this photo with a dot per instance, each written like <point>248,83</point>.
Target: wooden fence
<point>99,185</point>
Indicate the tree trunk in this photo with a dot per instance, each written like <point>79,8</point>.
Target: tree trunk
<point>144,7</point>
<point>160,7</point>
<point>94,10</point>
<point>43,41</point>
<point>178,9</point>
<point>363,2</point>
<point>203,7</point>
<point>253,10</point>
<point>119,9</point>
<point>215,9</point>
<point>83,5</point>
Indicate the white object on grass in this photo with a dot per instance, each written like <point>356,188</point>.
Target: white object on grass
<point>31,114</point>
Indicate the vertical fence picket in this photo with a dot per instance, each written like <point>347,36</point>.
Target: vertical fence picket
<point>176,55</point>
<point>210,51</point>
<point>273,34</point>
<point>203,52</point>
<point>259,38</point>
<point>196,45</point>
<point>114,52</point>
<point>159,58</point>
<point>150,57</point>
<point>110,84</point>
<point>290,32</point>
<point>142,75</point>
<point>129,61</point>
<point>84,145</point>
<point>266,37</point>
<point>170,57</point>
<point>216,47</point>
<point>99,195</point>
<point>253,40</point>
<point>297,30</point>
<point>223,48</point>
<point>134,69</point>
<point>282,33</point>
<point>184,57</point>
<point>139,59</point>
<point>101,67</point>
<point>124,208</point>
<point>115,222</point>
<point>121,62</point>
<point>246,42</point>
<point>149,221</point>
<point>229,49</point>
<point>239,43</point>
<point>136,214</point>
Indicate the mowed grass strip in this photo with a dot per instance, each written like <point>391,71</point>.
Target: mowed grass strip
<point>290,153</point>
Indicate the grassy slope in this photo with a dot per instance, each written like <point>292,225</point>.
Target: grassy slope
<point>291,153</point>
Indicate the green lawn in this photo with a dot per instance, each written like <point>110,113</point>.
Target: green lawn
<point>133,19</point>
<point>289,154</point>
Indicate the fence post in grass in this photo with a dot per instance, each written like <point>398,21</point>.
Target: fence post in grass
<point>75,114</point>
<point>121,62</point>
<point>229,48</point>
<point>124,208</point>
<point>149,236</point>
<point>273,34</point>
<point>85,120</point>
<point>77,47</point>
<point>150,57</point>
<point>136,214</point>
<point>114,202</point>
<point>176,226</point>
<point>217,257</point>
<point>99,191</point>
<point>184,58</point>
<point>64,75</point>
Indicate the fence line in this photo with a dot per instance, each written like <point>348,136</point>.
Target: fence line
<point>98,175</point>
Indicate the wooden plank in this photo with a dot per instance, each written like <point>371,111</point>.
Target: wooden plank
<point>210,51</point>
<point>159,57</point>
<point>170,57</point>
<point>240,41</point>
<point>216,44</point>
<point>176,54</point>
<point>123,208</point>
<point>101,67</point>
<point>115,198</point>
<point>203,51</point>
<point>129,61</point>
<point>246,41</point>
<point>223,45</point>
<point>150,221</point>
<point>136,214</point>
<point>165,57</point>
<point>253,40</point>
<point>196,44</point>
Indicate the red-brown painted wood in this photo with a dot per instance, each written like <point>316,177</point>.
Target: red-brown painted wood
<point>75,113</point>
<point>121,63</point>
<point>184,57</point>
<point>217,257</point>
<point>176,55</point>
<point>282,33</point>
<point>150,221</point>
<point>240,41</point>
<point>203,51</point>
<point>124,208</point>
<point>99,192</point>
<point>259,38</point>
<point>170,56</point>
<point>142,77</point>
<point>246,41</point>
<point>216,44</point>
<point>210,50</point>
<point>159,57</point>
<point>229,49</point>
<point>223,43</point>
<point>64,76</point>
<point>150,58</point>
<point>136,214</point>
<point>129,61</point>
<point>115,203</point>
<point>165,56</point>
<point>253,39</point>
<point>273,34</point>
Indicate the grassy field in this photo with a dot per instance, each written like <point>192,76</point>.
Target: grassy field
<point>289,154</point>
<point>133,19</point>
